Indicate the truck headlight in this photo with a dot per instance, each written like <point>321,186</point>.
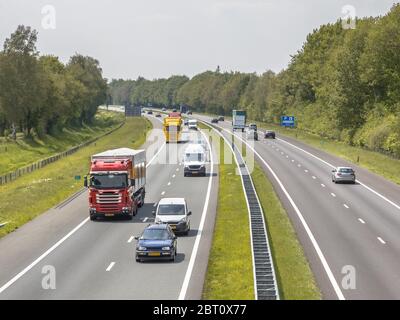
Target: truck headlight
<point>166,248</point>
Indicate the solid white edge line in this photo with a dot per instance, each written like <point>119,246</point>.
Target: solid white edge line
<point>193,256</point>
<point>110,266</point>
<point>34,263</point>
<point>332,166</point>
<point>57,244</point>
<point>305,225</point>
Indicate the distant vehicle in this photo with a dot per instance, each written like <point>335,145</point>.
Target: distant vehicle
<point>343,174</point>
<point>174,110</point>
<point>238,120</point>
<point>186,122</point>
<point>253,126</point>
<point>221,118</point>
<point>156,241</point>
<point>194,160</point>
<point>172,127</point>
<point>184,109</point>
<point>214,120</point>
<point>149,112</point>
<point>251,134</point>
<point>174,211</point>
<point>269,134</point>
<point>163,109</point>
<point>158,115</point>
<point>116,183</point>
<point>189,113</point>
<point>192,124</point>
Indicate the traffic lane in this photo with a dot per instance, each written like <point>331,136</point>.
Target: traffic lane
<point>86,251</point>
<point>372,260</point>
<point>83,278</point>
<point>366,259</point>
<point>379,216</point>
<point>21,247</point>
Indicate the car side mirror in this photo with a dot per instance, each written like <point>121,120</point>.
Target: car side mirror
<point>333,170</point>
<point>136,238</point>
<point>85,182</point>
<point>189,213</point>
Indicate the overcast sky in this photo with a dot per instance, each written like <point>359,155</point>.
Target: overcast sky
<point>158,38</point>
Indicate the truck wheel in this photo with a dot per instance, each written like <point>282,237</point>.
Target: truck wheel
<point>92,217</point>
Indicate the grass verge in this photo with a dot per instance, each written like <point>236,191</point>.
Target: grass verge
<point>32,194</point>
<point>295,278</point>
<point>24,151</point>
<point>229,274</point>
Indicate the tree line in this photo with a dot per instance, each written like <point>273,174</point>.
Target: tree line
<point>39,94</point>
<point>343,84</point>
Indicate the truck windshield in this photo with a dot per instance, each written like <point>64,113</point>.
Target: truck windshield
<point>109,181</point>
<point>155,234</point>
<point>171,210</point>
<point>193,157</point>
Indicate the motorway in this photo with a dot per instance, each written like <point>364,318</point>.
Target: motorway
<point>95,260</point>
<point>350,233</point>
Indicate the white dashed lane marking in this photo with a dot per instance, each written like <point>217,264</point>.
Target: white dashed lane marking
<point>361,220</point>
<point>131,239</point>
<point>381,240</point>
<point>110,266</point>
<point>346,206</point>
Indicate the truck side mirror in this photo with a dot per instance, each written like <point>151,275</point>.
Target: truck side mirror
<point>153,212</point>
<point>85,182</point>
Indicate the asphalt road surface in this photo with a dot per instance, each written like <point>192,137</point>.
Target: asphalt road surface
<point>350,233</point>
<point>95,260</point>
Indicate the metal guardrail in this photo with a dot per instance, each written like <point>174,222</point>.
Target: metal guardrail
<point>6,178</point>
<point>265,284</point>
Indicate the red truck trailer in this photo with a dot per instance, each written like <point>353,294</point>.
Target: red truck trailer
<point>116,183</point>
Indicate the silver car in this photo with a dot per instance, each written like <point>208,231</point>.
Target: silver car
<point>343,174</point>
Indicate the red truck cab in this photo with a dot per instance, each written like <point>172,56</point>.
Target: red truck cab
<point>116,183</point>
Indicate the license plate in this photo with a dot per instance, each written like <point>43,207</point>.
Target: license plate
<point>154,254</point>
<point>109,214</point>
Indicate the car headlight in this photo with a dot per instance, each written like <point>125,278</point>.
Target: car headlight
<point>166,248</point>
<point>142,248</point>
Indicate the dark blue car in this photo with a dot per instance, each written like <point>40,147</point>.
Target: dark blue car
<point>157,241</point>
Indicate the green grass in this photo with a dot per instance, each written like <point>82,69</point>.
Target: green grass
<point>34,193</point>
<point>379,163</point>
<point>376,162</point>
<point>295,278</point>
<point>24,151</point>
<point>230,274</point>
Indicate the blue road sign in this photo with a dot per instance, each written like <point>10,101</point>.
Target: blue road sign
<point>288,121</point>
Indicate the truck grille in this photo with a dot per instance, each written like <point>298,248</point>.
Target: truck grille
<point>108,201</point>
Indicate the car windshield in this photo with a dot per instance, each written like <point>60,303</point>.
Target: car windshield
<point>109,181</point>
<point>155,234</point>
<point>346,170</point>
<point>193,157</point>
<point>171,210</point>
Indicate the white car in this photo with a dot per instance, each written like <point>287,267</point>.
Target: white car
<point>174,212</point>
<point>192,124</point>
<point>343,174</point>
<point>194,160</point>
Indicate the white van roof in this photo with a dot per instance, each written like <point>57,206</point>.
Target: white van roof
<point>194,148</point>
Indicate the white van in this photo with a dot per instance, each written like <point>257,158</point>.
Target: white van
<point>194,160</point>
<point>174,211</point>
<point>192,124</point>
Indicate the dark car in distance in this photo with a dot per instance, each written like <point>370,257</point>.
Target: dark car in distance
<point>150,112</point>
<point>269,134</point>
<point>189,112</point>
<point>221,118</point>
<point>214,120</point>
<point>157,241</point>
